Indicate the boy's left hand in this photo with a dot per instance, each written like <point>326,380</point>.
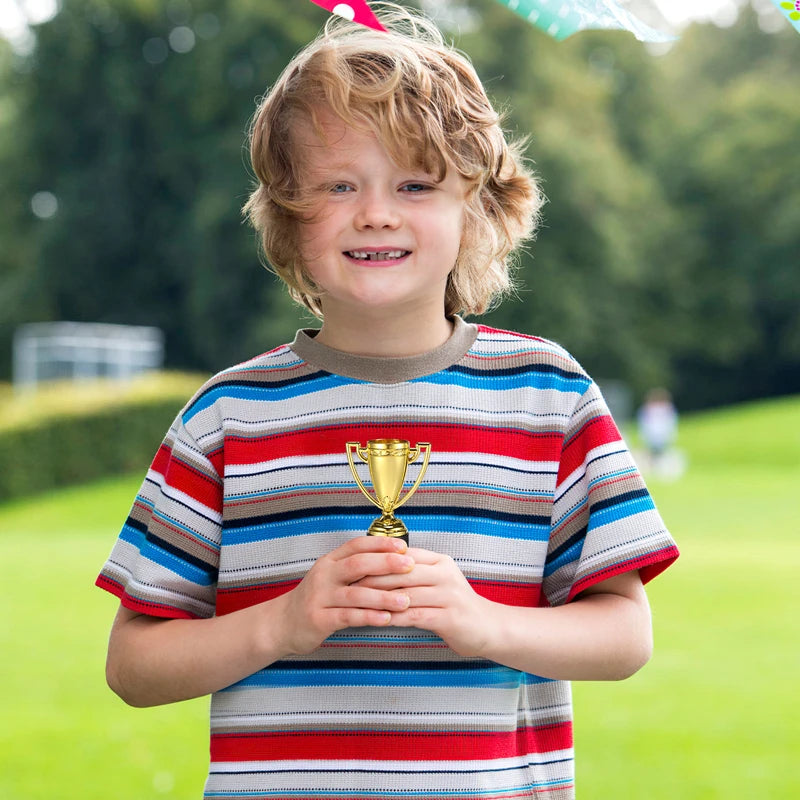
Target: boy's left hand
<point>442,601</point>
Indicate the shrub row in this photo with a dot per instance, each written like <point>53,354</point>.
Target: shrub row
<point>70,448</point>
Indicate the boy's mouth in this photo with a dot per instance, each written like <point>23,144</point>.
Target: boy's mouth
<point>377,255</point>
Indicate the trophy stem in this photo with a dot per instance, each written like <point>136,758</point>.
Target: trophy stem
<point>388,525</point>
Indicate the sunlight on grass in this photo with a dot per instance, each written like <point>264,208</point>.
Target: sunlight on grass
<point>65,398</point>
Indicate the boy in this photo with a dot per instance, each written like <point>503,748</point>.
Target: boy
<point>343,665</point>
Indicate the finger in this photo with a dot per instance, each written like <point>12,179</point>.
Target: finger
<point>420,575</point>
<point>431,597</point>
<point>427,618</point>
<point>422,556</point>
<point>362,597</point>
<point>386,582</point>
<point>360,565</point>
<point>368,544</point>
<point>360,618</point>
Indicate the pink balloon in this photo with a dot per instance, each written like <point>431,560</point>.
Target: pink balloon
<point>354,10</point>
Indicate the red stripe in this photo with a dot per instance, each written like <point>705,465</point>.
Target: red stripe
<point>161,460</point>
<point>595,433</point>
<point>525,595</point>
<point>229,600</point>
<point>649,566</point>
<point>185,478</point>
<point>393,746</point>
<point>139,605</point>
<point>217,459</point>
<point>510,594</point>
<point>447,438</point>
<point>204,488</point>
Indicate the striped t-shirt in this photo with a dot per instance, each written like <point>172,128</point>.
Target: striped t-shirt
<point>529,488</point>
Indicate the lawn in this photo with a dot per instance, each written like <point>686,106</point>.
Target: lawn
<point>65,735</point>
<point>714,715</point>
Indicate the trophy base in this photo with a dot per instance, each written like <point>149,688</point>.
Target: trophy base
<point>388,525</point>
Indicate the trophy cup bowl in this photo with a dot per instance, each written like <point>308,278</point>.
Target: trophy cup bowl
<point>388,460</point>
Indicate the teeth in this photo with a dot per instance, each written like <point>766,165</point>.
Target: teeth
<point>374,255</point>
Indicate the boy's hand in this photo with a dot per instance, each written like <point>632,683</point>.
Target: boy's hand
<point>333,596</point>
<point>441,600</point>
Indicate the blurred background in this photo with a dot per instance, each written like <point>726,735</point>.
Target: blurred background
<point>669,260</point>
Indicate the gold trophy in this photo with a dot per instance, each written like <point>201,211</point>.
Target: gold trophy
<point>387,460</point>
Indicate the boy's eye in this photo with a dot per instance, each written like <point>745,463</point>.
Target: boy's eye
<point>340,188</point>
<point>415,188</point>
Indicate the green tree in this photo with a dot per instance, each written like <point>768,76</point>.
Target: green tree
<point>587,279</point>
<point>668,253</point>
<point>139,136</point>
<point>729,166</point>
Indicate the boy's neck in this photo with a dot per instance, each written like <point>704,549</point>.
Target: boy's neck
<point>385,335</point>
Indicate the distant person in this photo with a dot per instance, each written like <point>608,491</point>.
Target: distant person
<point>343,665</point>
<point>658,424</point>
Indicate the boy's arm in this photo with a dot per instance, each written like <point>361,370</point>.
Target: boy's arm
<point>604,634</point>
<point>152,661</point>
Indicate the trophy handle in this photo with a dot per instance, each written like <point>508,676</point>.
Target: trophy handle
<point>361,452</point>
<point>420,447</point>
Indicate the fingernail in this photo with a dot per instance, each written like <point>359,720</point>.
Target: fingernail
<point>407,562</point>
<point>403,601</point>
<point>399,545</point>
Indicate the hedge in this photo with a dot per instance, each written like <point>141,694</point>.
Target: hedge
<point>73,434</point>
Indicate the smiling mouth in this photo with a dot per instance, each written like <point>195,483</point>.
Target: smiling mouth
<point>377,255</point>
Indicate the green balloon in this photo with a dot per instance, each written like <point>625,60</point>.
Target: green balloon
<point>562,18</point>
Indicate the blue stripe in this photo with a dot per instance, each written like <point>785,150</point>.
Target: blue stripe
<point>399,675</point>
<point>571,512</point>
<point>430,639</point>
<point>606,516</point>
<point>158,555</point>
<point>267,392</point>
<point>568,554</point>
<point>538,376</point>
<point>358,523</point>
<point>606,476</point>
<point>397,794</point>
<point>263,366</point>
<point>491,381</point>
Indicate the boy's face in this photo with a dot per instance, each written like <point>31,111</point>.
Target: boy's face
<point>381,237</point>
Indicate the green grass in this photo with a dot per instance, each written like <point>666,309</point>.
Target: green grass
<point>714,715</point>
<point>64,734</point>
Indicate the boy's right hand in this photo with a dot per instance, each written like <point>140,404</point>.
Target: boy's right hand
<point>326,600</point>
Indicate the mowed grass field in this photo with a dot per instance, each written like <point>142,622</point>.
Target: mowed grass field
<point>716,713</point>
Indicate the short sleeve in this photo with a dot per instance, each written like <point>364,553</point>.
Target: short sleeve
<point>604,521</point>
<point>166,560</point>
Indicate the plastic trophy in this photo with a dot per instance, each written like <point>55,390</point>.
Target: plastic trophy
<point>387,460</point>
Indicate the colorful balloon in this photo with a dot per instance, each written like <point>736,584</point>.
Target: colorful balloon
<point>562,18</point>
<point>791,11</point>
<point>354,10</point>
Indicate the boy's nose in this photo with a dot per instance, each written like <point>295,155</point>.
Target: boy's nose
<point>376,211</point>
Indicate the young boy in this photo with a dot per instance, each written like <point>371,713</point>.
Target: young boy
<point>349,666</point>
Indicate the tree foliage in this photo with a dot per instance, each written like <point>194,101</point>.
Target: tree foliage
<point>669,251</point>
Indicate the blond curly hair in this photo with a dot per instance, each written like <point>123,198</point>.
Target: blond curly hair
<point>426,105</point>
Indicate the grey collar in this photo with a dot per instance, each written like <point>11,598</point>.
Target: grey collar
<point>380,369</point>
